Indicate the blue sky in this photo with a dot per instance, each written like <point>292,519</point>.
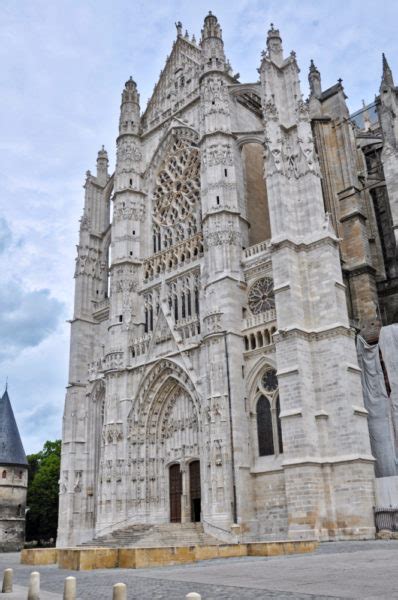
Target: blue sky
<point>63,66</point>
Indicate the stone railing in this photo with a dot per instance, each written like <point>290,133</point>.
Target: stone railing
<point>188,327</point>
<point>113,360</point>
<point>180,254</point>
<point>101,308</point>
<point>265,317</point>
<point>140,346</point>
<point>259,330</point>
<point>256,249</point>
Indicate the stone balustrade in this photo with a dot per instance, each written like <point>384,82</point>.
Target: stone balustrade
<point>185,252</point>
<point>259,330</point>
<point>188,327</point>
<point>256,249</point>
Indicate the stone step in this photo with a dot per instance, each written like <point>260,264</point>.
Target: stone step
<point>167,534</point>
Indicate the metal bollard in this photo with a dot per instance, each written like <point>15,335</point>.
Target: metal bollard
<point>34,586</point>
<point>70,588</point>
<point>7,581</point>
<point>193,596</point>
<point>119,591</point>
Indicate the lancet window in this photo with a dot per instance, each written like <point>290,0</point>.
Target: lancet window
<point>151,309</point>
<point>269,429</point>
<point>183,297</point>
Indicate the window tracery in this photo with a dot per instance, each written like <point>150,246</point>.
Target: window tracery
<point>176,210</point>
<point>183,297</point>
<point>261,295</point>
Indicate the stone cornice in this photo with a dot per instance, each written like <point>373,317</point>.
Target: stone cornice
<point>315,334</point>
<point>328,460</point>
<point>329,239</point>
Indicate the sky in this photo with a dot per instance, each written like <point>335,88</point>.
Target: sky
<point>63,66</point>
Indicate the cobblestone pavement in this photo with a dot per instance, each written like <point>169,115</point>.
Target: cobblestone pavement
<point>338,570</point>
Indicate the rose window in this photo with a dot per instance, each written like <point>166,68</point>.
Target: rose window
<point>261,296</point>
<point>178,185</point>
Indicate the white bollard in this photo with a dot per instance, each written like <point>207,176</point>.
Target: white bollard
<point>34,586</point>
<point>70,588</point>
<point>193,596</point>
<point>119,591</point>
<point>7,581</point>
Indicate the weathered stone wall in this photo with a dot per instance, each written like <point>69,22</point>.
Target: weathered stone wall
<point>13,488</point>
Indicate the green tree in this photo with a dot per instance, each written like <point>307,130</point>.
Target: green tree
<point>42,500</point>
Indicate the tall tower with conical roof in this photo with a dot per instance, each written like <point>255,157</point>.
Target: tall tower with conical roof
<point>13,480</point>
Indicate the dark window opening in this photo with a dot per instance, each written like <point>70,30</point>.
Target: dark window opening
<point>264,427</point>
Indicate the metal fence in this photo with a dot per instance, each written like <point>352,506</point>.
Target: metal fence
<point>386,518</point>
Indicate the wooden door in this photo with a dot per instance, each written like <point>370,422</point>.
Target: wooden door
<point>175,493</point>
<point>194,490</point>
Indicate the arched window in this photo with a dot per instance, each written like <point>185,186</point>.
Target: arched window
<point>4,474</point>
<point>269,427</point>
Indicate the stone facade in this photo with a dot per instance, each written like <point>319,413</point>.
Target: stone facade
<point>213,371</point>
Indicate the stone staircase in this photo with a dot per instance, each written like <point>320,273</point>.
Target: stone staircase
<point>154,536</point>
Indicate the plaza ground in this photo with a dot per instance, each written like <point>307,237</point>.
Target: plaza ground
<point>366,570</point>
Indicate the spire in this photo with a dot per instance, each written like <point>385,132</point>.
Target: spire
<point>314,78</point>
<point>102,166</point>
<point>274,44</point>
<point>11,449</point>
<point>212,44</point>
<point>130,108</point>
<point>387,78</point>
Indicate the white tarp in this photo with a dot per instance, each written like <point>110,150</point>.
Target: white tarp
<point>388,343</point>
<point>378,405</point>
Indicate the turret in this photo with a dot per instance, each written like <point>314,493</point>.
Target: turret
<point>128,209</point>
<point>212,45</point>
<point>314,79</point>
<point>274,45</point>
<point>130,109</point>
<point>102,167</point>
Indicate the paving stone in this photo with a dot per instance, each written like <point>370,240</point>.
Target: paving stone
<point>336,571</point>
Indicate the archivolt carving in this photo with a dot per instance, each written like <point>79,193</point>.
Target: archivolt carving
<point>163,426</point>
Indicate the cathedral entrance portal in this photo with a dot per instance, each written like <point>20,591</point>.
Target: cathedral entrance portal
<point>175,493</point>
<point>194,490</point>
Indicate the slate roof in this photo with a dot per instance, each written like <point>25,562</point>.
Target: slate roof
<point>11,449</point>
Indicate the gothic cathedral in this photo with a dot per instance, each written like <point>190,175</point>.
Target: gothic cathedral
<point>223,271</point>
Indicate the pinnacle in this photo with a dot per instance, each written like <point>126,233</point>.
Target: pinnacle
<point>387,73</point>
